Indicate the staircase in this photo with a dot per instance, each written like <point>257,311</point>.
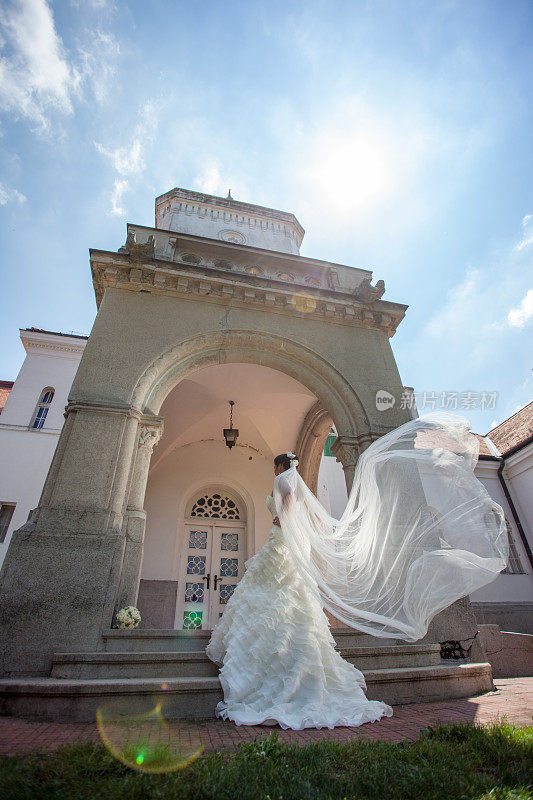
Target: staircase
<point>170,665</point>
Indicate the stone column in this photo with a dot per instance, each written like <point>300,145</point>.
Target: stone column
<point>61,575</point>
<point>135,515</point>
<point>347,448</point>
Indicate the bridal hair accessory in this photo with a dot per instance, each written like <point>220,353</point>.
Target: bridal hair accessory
<point>293,459</point>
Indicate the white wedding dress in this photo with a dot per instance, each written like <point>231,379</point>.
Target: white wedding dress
<point>277,653</point>
<point>419,532</point>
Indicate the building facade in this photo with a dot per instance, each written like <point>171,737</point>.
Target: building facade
<point>31,420</point>
<point>143,502</point>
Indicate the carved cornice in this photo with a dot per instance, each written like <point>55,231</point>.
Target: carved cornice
<point>241,288</point>
<point>44,345</point>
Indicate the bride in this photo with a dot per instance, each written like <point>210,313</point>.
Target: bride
<point>386,567</point>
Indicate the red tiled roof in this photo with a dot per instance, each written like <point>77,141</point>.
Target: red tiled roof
<point>514,430</point>
<point>428,439</point>
<point>5,388</point>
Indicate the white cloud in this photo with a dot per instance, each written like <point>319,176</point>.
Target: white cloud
<point>37,75</point>
<point>119,187</point>
<point>527,232</point>
<point>97,4</point>
<point>8,195</point>
<point>98,58</point>
<point>462,303</point>
<point>127,160</point>
<point>208,181</point>
<point>518,317</point>
<point>211,180</point>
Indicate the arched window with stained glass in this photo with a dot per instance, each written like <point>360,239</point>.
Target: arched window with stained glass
<point>216,504</point>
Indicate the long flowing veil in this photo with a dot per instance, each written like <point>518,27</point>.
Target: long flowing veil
<point>419,530</point>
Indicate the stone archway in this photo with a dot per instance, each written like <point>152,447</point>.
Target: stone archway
<point>310,445</point>
<point>216,348</point>
<point>334,392</point>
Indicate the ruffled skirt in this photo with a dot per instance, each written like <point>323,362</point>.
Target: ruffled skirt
<point>277,654</point>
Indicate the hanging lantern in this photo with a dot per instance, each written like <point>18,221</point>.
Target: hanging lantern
<point>231,433</point>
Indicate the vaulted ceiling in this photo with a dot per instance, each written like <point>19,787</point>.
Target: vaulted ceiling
<point>269,409</point>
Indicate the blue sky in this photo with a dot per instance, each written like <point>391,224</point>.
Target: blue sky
<point>399,133</point>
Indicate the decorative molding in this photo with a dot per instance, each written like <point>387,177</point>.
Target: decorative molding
<point>244,289</point>
<point>39,344</point>
<point>227,235</point>
<point>136,251</point>
<point>368,293</point>
<point>150,421</point>
<point>28,429</point>
<point>347,448</point>
<point>150,435</point>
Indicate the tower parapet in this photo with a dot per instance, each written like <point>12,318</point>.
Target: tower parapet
<point>228,220</point>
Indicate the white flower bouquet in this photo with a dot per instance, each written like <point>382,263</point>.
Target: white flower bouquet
<point>128,617</point>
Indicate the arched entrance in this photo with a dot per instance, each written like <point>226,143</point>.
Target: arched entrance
<point>191,464</point>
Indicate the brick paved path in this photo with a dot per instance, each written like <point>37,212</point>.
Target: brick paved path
<point>513,698</point>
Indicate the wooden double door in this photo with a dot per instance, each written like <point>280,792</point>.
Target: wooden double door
<point>212,563</point>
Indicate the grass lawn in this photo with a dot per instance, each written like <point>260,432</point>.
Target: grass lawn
<point>462,761</point>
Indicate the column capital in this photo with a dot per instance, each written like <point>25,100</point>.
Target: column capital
<point>151,430</point>
<point>347,447</point>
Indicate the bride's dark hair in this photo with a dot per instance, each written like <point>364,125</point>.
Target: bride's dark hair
<point>284,460</point>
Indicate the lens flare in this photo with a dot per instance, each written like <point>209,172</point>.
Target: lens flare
<point>137,734</point>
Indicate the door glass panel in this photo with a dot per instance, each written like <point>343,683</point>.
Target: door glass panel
<point>192,619</point>
<point>226,590</point>
<point>195,565</point>
<point>229,567</point>
<point>229,541</point>
<point>198,540</point>
<point>194,592</point>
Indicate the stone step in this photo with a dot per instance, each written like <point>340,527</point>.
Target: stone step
<point>77,700</point>
<point>197,664</point>
<point>133,665</point>
<point>150,640</point>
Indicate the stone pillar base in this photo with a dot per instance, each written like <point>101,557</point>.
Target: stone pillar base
<point>58,593</point>
<point>457,623</point>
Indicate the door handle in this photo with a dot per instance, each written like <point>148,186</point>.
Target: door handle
<point>206,578</point>
<point>215,582</point>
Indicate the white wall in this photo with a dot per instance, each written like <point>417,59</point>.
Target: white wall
<point>51,360</point>
<point>187,470</point>
<point>518,475</point>
<point>506,587</point>
<point>202,219</point>
<point>331,486</point>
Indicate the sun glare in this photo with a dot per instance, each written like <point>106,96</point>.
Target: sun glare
<point>352,172</point>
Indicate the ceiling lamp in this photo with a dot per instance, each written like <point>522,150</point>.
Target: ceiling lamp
<point>231,433</point>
